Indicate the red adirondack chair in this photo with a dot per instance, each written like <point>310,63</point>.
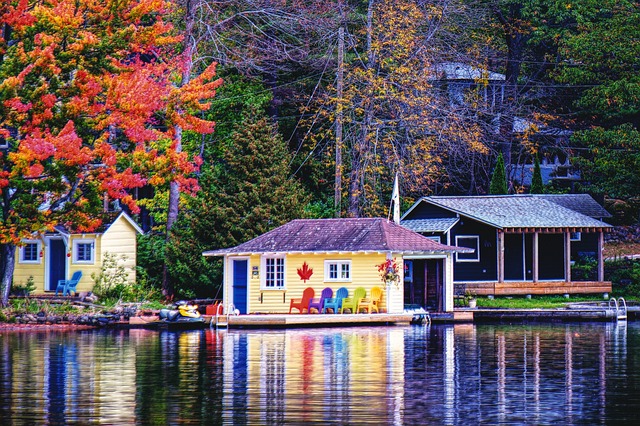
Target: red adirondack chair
<point>303,303</point>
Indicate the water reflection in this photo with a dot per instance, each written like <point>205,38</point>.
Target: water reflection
<point>578,373</point>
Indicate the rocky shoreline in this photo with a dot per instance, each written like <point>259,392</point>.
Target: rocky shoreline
<point>68,320</point>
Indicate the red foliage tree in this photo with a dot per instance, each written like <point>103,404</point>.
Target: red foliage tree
<point>90,99</point>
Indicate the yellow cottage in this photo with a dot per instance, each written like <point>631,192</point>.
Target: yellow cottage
<point>264,274</point>
<point>57,255</point>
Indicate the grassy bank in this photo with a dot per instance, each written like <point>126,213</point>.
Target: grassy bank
<point>539,302</point>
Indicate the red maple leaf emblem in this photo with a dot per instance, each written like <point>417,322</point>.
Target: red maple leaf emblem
<point>305,272</point>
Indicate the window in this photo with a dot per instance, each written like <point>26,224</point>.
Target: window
<point>472,242</point>
<point>576,236</point>
<point>337,270</point>
<point>30,252</point>
<point>408,270</point>
<point>83,251</point>
<point>274,273</point>
<point>435,238</point>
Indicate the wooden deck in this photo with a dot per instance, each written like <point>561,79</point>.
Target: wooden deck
<point>517,288</point>
<point>308,320</point>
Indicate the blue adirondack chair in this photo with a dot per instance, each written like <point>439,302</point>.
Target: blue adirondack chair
<point>335,303</point>
<point>67,286</point>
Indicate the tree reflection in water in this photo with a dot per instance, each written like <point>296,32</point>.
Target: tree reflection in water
<point>453,374</point>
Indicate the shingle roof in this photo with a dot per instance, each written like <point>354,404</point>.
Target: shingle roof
<point>430,225</point>
<point>517,211</point>
<point>338,235</point>
<point>581,203</point>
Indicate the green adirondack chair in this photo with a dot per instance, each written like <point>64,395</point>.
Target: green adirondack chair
<point>352,303</point>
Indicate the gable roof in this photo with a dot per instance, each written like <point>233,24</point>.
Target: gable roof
<point>338,236</point>
<point>108,220</point>
<point>520,211</point>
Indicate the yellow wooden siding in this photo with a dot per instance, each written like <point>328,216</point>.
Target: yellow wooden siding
<point>120,239</point>
<point>86,282</point>
<point>364,273</point>
<point>23,271</point>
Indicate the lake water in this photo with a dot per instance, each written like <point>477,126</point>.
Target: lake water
<point>444,374</point>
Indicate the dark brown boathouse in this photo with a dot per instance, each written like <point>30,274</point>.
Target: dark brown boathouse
<point>522,244</point>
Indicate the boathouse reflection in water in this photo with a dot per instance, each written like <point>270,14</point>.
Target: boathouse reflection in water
<point>391,375</point>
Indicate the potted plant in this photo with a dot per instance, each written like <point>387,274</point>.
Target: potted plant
<point>471,299</point>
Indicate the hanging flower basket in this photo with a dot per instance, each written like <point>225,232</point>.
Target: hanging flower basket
<point>389,272</point>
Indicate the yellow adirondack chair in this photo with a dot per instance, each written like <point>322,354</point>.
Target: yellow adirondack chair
<point>373,302</point>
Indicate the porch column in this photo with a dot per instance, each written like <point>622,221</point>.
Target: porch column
<point>567,256</point>
<point>226,290</point>
<point>535,257</point>
<point>600,256</point>
<point>500,256</point>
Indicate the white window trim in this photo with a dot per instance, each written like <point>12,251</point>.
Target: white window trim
<point>263,275</point>
<point>327,263</point>
<point>38,250</point>
<point>477,252</point>
<point>435,238</point>
<point>75,251</point>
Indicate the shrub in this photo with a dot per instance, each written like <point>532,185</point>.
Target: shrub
<point>112,283</point>
<point>585,269</point>
<point>625,276</point>
<point>23,290</point>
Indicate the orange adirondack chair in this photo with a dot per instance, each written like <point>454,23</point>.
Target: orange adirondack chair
<point>373,302</point>
<point>303,303</point>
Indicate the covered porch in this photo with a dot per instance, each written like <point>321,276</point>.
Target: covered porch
<point>538,261</point>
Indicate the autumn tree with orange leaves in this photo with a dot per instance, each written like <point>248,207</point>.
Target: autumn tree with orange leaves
<point>90,97</point>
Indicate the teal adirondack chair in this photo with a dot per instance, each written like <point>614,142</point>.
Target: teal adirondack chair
<point>352,303</point>
<point>335,303</point>
<point>67,286</point>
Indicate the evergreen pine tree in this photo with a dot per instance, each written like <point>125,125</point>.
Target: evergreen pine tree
<point>247,193</point>
<point>537,187</point>
<point>498,184</point>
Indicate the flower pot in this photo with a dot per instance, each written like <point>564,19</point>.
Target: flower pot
<point>472,303</point>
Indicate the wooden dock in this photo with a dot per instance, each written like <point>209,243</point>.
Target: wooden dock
<point>307,320</point>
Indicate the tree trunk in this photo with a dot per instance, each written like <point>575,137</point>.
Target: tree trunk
<point>361,144</point>
<point>174,188</point>
<point>340,77</point>
<point>516,39</point>
<point>7,265</point>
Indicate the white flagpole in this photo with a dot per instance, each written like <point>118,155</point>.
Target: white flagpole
<point>395,199</point>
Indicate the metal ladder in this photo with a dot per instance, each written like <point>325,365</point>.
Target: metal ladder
<point>221,319</point>
<point>619,307</point>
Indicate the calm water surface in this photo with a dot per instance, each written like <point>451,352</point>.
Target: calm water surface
<point>456,374</point>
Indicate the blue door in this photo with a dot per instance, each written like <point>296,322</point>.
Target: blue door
<point>240,284</point>
<point>57,268</point>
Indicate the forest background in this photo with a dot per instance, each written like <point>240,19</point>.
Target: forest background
<point>323,103</point>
